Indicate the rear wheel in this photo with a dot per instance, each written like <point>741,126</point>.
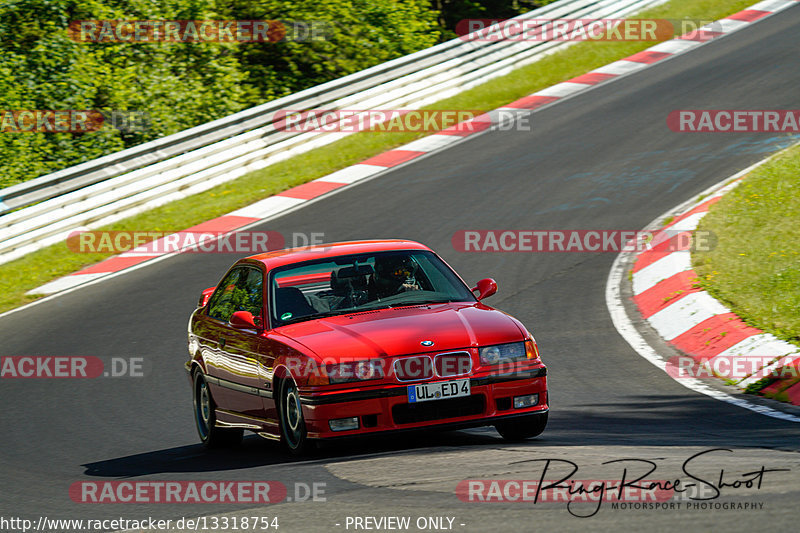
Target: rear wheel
<point>293,426</point>
<point>522,428</point>
<point>210,435</point>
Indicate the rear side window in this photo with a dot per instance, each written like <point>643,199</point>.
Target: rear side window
<point>240,290</point>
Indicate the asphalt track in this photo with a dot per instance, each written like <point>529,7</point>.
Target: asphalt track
<point>601,160</point>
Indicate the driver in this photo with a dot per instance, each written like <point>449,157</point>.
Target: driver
<point>393,274</point>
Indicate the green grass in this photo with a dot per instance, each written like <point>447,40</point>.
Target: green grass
<point>755,388</point>
<point>33,270</point>
<point>755,267</point>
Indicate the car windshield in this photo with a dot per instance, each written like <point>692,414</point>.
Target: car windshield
<point>363,282</point>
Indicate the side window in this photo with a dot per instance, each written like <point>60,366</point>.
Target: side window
<point>241,290</point>
<point>220,306</point>
<point>252,293</point>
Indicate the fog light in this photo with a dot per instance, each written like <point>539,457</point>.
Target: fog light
<point>343,424</point>
<point>528,400</point>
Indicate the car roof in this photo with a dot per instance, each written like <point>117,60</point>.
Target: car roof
<point>288,256</point>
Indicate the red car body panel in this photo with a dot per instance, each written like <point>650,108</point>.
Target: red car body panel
<point>242,366</point>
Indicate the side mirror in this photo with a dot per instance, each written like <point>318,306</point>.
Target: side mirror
<point>204,297</point>
<point>244,320</point>
<point>485,287</point>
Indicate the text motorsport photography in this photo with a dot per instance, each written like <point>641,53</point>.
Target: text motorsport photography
<point>696,487</point>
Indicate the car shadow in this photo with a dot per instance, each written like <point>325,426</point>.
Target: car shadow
<point>668,420</point>
<point>642,421</point>
<point>257,452</point>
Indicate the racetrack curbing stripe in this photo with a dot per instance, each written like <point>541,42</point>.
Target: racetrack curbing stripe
<point>685,314</point>
<point>690,319</point>
<point>310,190</point>
<point>565,88</point>
<point>749,15</point>
<point>713,336</point>
<point>663,269</point>
<point>648,56</point>
<point>666,293</point>
<point>275,204</point>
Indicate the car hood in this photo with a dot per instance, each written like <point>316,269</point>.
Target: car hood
<point>400,331</point>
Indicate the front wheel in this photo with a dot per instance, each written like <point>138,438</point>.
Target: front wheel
<point>522,428</point>
<point>293,426</point>
<point>210,435</point>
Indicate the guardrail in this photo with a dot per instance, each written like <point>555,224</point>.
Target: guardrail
<point>122,184</point>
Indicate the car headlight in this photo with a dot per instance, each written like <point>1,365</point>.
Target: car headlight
<point>509,353</point>
<point>355,371</point>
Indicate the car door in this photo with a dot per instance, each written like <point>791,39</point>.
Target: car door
<point>234,356</point>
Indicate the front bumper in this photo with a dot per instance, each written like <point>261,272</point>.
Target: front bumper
<point>387,408</point>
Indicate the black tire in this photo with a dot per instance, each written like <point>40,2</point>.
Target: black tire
<point>210,435</point>
<point>293,427</point>
<point>522,428</point>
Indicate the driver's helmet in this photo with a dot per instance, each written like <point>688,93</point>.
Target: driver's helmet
<point>394,267</point>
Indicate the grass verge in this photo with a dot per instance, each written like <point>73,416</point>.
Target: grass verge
<point>35,269</point>
<point>755,267</point>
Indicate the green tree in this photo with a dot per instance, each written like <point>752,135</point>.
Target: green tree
<point>453,11</point>
<point>178,85</point>
<point>359,34</point>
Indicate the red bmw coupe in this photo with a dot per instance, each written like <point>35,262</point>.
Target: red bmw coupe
<point>354,338</point>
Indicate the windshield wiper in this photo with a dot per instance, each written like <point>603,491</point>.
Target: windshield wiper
<point>421,301</point>
<point>395,305</point>
<point>438,301</point>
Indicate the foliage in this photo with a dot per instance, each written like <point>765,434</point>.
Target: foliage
<point>177,85</point>
<point>755,267</point>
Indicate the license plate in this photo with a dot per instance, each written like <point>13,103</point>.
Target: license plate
<point>425,392</point>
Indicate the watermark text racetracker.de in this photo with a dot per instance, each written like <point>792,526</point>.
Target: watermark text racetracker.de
<point>195,492</point>
<point>75,121</point>
<point>190,241</point>
<point>197,31</point>
<point>249,493</point>
<point>734,367</point>
<point>347,368</point>
<point>599,240</point>
<point>464,121</point>
<point>71,366</point>
<point>734,120</point>
<point>595,29</point>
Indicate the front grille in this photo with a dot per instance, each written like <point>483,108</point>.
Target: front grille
<point>413,368</point>
<point>453,364</point>
<point>409,413</point>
